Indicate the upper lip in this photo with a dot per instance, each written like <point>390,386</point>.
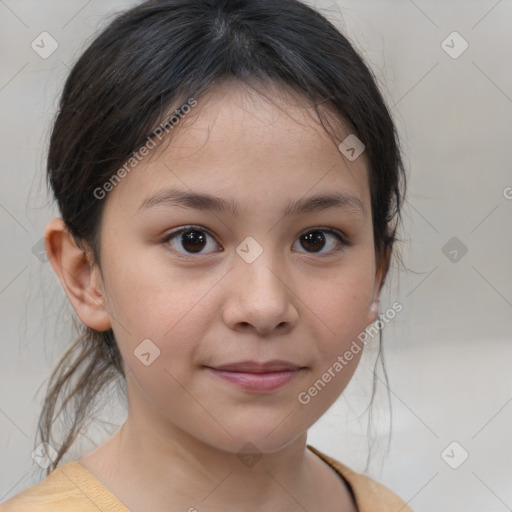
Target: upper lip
<point>258,367</point>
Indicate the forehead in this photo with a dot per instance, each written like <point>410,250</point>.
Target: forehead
<point>258,147</point>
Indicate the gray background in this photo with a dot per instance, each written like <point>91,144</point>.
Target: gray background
<point>448,352</point>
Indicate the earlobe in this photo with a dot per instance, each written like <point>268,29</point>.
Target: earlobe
<point>78,278</point>
<point>372,312</point>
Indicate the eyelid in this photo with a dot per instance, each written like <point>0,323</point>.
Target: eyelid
<point>343,238</point>
<point>189,227</point>
<point>334,231</point>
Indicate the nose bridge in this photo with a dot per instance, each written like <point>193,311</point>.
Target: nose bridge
<point>259,266</point>
<point>259,295</point>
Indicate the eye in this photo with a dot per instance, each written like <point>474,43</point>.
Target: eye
<point>193,239</point>
<point>316,240</point>
<point>189,240</point>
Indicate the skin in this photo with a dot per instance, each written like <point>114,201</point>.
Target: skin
<point>178,447</point>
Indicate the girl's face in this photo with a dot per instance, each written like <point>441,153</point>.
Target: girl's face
<point>245,284</point>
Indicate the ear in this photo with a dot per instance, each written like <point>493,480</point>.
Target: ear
<point>380,276</point>
<point>83,285</point>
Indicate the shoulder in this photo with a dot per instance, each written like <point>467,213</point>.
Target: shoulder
<point>68,487</point>
<point>369,494</point>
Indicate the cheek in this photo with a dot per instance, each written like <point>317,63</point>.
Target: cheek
<point>339,351</point>
<point>341,316</point>
<point>342,308</point>
<point>149,298</point>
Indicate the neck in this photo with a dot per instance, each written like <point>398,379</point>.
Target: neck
<point>179,469</point>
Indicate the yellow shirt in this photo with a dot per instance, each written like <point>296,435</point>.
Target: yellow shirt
<point>71,488</point>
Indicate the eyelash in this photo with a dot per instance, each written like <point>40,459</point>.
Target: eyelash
<point>184,229</point>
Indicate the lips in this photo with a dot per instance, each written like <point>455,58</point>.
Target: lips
<point>256,367</point>
<point>257,377</point>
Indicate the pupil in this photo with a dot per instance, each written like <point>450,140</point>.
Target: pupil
<point>193,239</point>
<point>314,239</point>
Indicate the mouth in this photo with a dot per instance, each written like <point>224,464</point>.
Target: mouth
<point>257,377</point>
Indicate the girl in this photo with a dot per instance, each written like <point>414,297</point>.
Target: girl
<point>230,185</point>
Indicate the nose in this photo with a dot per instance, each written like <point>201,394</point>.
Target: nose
<point>260,297</point>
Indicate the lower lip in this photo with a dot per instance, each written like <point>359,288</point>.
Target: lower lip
<point>258,382</point>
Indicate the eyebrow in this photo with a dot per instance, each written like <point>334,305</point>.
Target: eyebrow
<point>207,202</point>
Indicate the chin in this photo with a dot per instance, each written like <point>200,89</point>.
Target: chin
<point>253,444</point>
<point>267,435</point>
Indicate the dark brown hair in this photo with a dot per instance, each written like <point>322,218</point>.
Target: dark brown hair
<point>148,61</point>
